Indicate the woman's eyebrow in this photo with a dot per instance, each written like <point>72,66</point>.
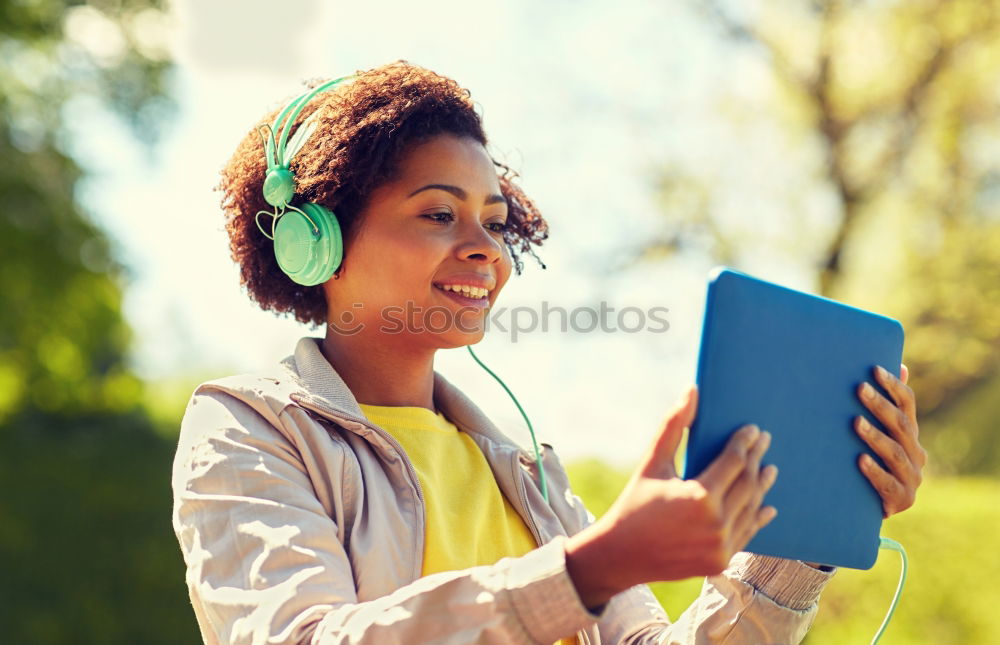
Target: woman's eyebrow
<point>461,194</point>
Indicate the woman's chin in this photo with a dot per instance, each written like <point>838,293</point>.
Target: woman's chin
<point>456,338</point>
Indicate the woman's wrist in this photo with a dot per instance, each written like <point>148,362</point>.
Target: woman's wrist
<point>591,569</point>
<point>821,567</point>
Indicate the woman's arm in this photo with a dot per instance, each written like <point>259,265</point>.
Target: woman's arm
<point>265,564</point>
<point>643,537</point>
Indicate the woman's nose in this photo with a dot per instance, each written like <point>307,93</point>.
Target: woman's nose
<point>479,244</point>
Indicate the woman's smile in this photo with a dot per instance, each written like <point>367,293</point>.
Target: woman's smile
<point>465,300</point>
<point>468,289</point>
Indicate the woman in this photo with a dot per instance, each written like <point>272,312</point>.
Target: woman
<point>353,495</point>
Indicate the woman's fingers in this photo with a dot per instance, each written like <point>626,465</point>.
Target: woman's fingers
<point>735,477</point>
<point>900,392</point>
<point>746,486</point>
<point>755,521</point>
<point>719,475</point>
<point>898,485</point>
<point>747,522</point>
<point>892,453</point>
<point>900,449</point>
<point>901,426</point>
<point>895,496</point>
<point>659,462</point>
<point>764,517</point>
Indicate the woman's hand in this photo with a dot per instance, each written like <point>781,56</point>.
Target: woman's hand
<point>662,527</point>
<point>900,449</point>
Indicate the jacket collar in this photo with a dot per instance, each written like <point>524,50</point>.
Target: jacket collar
<point>319,382</point>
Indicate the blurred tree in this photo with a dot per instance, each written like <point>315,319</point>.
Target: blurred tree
<point>87,554</point>
<point>63,340</point>
<point>899,106</point>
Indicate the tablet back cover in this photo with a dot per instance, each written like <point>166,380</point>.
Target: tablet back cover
<point>790,362</point>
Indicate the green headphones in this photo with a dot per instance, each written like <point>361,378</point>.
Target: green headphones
<point>307,240</point>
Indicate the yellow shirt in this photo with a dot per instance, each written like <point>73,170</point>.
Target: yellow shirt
<point>469,520</point>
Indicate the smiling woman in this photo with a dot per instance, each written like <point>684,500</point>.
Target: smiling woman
<point>352,494</point>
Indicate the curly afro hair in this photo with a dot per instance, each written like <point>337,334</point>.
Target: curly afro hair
<point>364,127</point>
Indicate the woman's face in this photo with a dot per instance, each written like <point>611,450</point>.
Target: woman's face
<point>437,223</point>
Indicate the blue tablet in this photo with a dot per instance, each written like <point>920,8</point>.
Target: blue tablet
<point>790,362</point>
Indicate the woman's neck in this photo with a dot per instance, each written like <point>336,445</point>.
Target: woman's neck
<point>381,373</point>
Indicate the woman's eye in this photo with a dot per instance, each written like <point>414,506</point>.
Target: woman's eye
<point>445,216</point>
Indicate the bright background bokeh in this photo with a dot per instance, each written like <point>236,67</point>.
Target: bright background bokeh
<point>846,149</point>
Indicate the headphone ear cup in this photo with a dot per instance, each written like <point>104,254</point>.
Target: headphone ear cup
<point>306,257</point>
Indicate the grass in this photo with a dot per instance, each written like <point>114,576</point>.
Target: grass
<point>952,593</point>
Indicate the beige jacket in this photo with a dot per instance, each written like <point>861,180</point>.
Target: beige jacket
<point>302,522</point>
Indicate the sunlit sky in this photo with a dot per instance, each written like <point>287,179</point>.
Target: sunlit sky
<point>584,99</point>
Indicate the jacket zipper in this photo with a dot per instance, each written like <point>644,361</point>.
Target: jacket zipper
<point>523,495</point>
<point>411,472</point>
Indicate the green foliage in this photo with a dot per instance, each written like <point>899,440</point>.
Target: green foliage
<point>951,592</point>
<point>63,340</point>
<point>889,110</point>
<point>87,551</point>
<point>596,483</point>
<point>61,50</point>
<point>966,433</point>
<point>953,342</point>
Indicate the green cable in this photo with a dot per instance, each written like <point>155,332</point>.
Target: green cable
<point>892,545</point>
<point>538,458</point>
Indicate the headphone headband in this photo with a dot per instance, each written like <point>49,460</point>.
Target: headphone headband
<point>276,152</point>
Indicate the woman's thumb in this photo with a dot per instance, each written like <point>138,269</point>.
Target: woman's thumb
<point>660,462</point>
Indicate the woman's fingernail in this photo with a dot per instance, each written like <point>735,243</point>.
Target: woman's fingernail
<point>881,371</point>
<point>867,390</point>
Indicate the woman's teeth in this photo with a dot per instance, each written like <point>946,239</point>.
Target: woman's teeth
<point>465,290</point>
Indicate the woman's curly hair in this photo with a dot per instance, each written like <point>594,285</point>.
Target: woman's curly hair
<point>364,126</point>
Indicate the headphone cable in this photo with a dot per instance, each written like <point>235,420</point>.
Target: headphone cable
<point>538,456</point>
